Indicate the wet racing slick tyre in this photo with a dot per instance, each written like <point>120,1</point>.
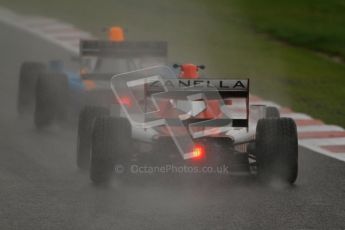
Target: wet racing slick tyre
<point>87,117</point>
<point>29,72</point>
<point>52,98</point>
<point>111,144</point>
<point>277,150</point>
<point>272,112</point>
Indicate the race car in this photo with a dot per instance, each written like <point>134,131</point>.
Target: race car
<point>54,93</point>
<point>160,117</point>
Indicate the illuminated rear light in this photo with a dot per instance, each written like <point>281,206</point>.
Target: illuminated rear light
<point>198,151</point>
<point>125,101</point>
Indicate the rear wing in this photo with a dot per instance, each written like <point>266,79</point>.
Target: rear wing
<point>179,87</point>
<point>126,49</point>
<point>211,88</point>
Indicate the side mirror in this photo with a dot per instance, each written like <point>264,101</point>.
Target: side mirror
<point>175,66</point>
<point>201,66</point>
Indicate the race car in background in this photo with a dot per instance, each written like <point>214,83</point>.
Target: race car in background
<point>54,93</point>
<point>186,120</point>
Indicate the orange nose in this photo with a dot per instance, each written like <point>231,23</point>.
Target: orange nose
<point>116,34</point>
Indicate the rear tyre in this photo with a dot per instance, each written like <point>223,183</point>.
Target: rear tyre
<point>111,141</point>
<point>29,72</point>
<point>277,150</point>
<point>52,95</point>
<point>87,117</point>
<point>272,112</point>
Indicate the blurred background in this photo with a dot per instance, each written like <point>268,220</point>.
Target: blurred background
<point>293,51</point>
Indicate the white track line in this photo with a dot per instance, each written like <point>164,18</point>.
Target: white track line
<point>325,141</point>
<point>315,145</point>
<point>318,149</point>
<point>297,116</point>
<point>319,128</point>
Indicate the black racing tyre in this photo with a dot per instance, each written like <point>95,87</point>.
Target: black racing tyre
<point>272,112</point>
<point>277,150</point>
<point>111,144</point>
<point>29,72</point>
<point>52,98</point>
<point>87,117</point>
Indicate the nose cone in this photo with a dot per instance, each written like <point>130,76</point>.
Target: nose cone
<point>116,34</point>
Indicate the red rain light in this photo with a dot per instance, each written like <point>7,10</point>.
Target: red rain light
<point>198,151</point>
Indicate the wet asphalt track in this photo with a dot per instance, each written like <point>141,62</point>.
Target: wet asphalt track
<point>41,188</point>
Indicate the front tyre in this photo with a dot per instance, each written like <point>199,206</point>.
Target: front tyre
<point>111,144</point>
<point>29,73</point>
<point>52,98</point>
